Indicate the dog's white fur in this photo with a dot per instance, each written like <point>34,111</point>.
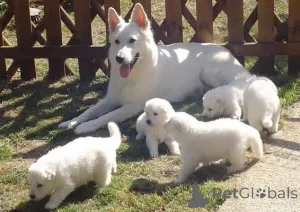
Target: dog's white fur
<point>205,142</point>
<point>226,100</point>
<point>67,167</point>
<point>157,111</point>
<point>262,105</point>
<point>171,72</point>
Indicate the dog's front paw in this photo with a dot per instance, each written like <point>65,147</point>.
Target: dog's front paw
<point>85,128</point>
<point>68,124</point>
<point>154,154</point>
<point>51,205</point>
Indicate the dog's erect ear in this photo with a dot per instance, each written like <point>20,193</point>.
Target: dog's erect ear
<point>113,19</point>
<point>139,16</point>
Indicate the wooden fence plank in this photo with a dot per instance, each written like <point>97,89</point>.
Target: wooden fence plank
<point>24,38</point>
<point>266,21</point>
<point>54,36</point>
<point>174,20</point>
<point>294,35</point>
<point>2,60</point>
<point>75,51</point>
<point>83,35</point>
<point>204,13</point>
<point>235,23</point>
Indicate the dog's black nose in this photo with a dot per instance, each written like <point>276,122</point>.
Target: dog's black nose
<point>32,196</point>
<point>120,60</point>
<point>148,122</point>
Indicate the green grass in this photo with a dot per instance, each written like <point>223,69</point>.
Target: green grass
<point>31,111</point>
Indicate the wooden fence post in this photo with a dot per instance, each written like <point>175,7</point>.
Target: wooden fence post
<point>2,60</point>
<point>204,11</point>
<point>294,35</point>
<point>82,11</point>
<point>235,23</point>
<point>54,36</point>
<point>266,21</point>
<point>24,37</point>
<point>174,20</point>
<point>107,4</point>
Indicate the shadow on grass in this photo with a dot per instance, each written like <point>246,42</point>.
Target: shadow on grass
<point>215,172</point>
<point>41,101</point>
<point>80,195</point>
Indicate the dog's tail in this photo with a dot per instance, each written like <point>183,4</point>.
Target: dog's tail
<point>266,122</point>
<point>115,134</point>
<point>256,144</point>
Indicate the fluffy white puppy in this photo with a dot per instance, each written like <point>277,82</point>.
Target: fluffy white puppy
<point>67,167</point>
<point>224,101</point>
<point>205,142</point>
<point>262,105</point>
<point>227,100</point>
<point>151,124</point>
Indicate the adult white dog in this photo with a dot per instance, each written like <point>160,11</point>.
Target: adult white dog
<point>65,168</point>
<point>141,70</point>
<point>151,124</point>
<point>205,142</point>
<point>262,105</point>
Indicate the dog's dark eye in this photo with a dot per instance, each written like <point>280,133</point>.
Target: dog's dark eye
<point>209,109</point>
<point>39,185</point>
<point>155,114</point>
<point>117,41</point>
<point>132,40</point>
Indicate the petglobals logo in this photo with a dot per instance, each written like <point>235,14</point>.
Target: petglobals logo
<point>254,193</point>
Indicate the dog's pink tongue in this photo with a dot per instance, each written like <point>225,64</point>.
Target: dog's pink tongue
<point>125,70</point>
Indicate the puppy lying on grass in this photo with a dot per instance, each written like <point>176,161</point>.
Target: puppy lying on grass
<point>205,142</point>
<point>67,167</point>
<point>151,124</point>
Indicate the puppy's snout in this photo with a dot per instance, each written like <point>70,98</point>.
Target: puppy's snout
<point>148,122</point>
<point>120,60</point>
<point>32,196</point>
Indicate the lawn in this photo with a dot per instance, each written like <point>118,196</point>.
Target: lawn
<point>31,111</point>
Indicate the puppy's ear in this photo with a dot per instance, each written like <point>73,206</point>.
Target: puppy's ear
<point>113,19</point>
<point>139,16</point>
<point>219,101</point>
<point>177,127</point>
<point>49,174</point>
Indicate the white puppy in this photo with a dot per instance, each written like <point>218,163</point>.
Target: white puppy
<point>151,124</point>
<point>224,101</point>
<point>67,167</point>
<point>262,105</point>
<point>227,100</point>
<point>205,142</point>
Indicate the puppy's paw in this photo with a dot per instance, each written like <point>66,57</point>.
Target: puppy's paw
<point>68,124</point>
<point>175,152</point>
<point>154,154</point>
<point>85,128</point>
<point>139,136</point>
<point>51,205</point>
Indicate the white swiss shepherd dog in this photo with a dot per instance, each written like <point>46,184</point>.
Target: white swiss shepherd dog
<point>142,70</point>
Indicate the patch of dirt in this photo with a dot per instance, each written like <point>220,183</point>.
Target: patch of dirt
<point>277,172</point>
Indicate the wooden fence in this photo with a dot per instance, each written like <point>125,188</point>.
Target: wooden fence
<point>274,36</point>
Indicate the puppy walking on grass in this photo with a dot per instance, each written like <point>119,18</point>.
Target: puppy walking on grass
<point>205,142</point>
<point>151,124</point>
<point>67,167</point>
